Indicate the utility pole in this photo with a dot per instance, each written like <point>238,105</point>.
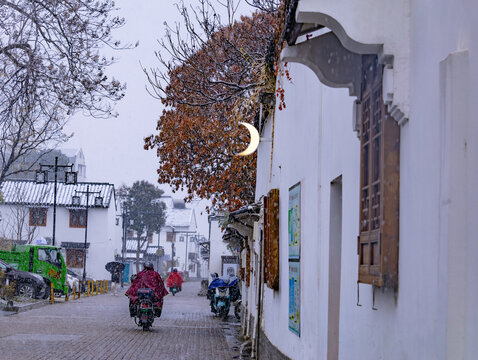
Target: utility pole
<point>42,177</point>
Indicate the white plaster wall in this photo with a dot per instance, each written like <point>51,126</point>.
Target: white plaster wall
<point>369,22</point>
<point>180,246</point>
<point>295,158</point>
<point>421,323</point>
<point>218,248</point>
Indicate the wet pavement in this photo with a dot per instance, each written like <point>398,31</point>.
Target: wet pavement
<point>99,327</point>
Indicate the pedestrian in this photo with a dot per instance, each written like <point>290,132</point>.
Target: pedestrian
<point>115,279</point>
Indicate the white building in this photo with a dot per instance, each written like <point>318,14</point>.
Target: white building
<point>77,158</point>
<point>27,214</point>
<point>376,204</point>
<point>219,254</point>
<point>180,233</point>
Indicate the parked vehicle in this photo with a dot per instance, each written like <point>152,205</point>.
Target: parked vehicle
<point>80,279</point>
<point>222,292</point>
<point>145,308</point>
<point>27,284</point>
<point>73,283</point>
<point>43,260</point>
<point>237,308</point>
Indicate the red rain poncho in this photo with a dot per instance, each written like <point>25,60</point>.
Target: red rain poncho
<point>147,279</point>
<point>174,278</point>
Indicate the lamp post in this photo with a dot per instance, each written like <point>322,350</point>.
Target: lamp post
<point>41,177</point>
<point>76,202</point>
<point>173,250</point>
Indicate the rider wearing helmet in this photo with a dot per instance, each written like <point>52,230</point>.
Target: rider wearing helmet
<point>174,279</point>
<point>148,278</point>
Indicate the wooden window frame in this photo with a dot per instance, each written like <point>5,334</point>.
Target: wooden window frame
<point>33,219</point>
<point>378,238</point>
<point>271,239</point>
<point>73,222</point>
<point>75,253</point>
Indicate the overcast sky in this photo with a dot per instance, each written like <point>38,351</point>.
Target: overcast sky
<point>113,148</point>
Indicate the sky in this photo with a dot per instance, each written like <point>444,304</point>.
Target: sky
<point>113,148</point>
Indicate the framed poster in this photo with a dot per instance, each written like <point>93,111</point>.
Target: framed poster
<point>294,222</point>
<point>294,297</point>
<point>230,265</point>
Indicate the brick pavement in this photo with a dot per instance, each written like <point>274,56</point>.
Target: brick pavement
<point>99,327</point>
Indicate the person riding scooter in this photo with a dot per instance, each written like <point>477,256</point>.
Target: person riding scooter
<point>174,279</point>
<point>148,278</point>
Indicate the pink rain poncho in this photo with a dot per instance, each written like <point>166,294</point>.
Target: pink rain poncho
<point>147,279</point>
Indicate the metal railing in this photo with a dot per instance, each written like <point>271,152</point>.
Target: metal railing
<point>88,288</point>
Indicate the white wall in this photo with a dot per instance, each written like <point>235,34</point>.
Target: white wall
<point>180,246</point>
<point>434,315</point>
<point>218,248</point>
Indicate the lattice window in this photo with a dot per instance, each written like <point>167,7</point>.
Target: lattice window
<point>37,216</point>
<point>379,183</point>
<point>78,218</point>
<point>75,258</point>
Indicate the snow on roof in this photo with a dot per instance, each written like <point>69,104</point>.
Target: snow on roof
<point>28,192</point>
<point>70,152</point>
<point>132,245</point>
<point>179,217</point>
<point>177,214</point>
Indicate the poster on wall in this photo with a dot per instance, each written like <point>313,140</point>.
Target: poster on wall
<point>294,222</point>
<point>294,297</point>
<point>230,265</point>
<point>230,269</point>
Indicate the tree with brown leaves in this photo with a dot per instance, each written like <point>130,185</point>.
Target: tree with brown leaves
<point>213,80</point>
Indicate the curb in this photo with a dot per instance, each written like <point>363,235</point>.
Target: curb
<point>21,308</point>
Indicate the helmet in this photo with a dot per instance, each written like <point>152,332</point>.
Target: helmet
<point>149,265</point>
<point>175,270</point>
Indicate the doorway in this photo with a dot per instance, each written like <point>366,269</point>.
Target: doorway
<point>335,265</point>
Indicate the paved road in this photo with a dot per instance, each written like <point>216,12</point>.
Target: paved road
<point>99,327</point>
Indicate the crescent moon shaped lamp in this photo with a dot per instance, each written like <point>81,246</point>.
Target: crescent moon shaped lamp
<point>254,140</point>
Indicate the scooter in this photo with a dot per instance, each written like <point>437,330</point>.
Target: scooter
<point>145,309</point>
<point>222,292</point>
<point>174,289</point>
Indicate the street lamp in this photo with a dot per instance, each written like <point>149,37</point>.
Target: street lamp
<point>41,177</point>
<point>76,201</point>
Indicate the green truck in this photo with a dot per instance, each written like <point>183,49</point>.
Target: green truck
<point>45,260</point>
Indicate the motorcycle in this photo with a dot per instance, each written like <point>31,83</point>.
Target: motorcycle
<point>174,289</point>
<point>145,309</point>
<point>222,292</point>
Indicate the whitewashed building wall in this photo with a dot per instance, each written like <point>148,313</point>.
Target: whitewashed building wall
<point>434,83</point>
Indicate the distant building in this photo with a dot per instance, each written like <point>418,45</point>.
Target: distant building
<point>219,253</point>
<point>180,233</point>
<point>27,215</point>
<point>77,158</point>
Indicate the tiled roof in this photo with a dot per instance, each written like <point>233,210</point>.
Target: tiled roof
<point>178,217</point>
<point>30,193</point>
<point>132,245</point>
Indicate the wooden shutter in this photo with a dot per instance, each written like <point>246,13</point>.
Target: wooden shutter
<point>379,183</point>
<point>271,239</point>
<point>248,267</point>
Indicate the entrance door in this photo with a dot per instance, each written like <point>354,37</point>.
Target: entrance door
<point>335,264</point>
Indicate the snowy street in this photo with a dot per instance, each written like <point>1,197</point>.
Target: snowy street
<point>99,327</point>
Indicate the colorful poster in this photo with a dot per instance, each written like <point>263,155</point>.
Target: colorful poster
<point>294,222</point>
<point>294,297</point>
